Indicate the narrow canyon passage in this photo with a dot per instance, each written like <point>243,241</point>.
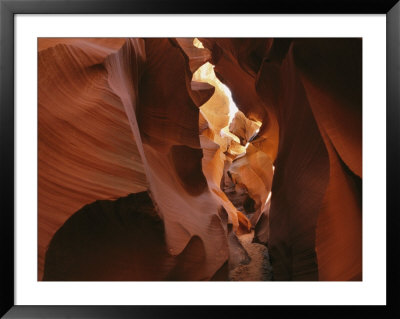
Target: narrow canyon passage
<point>199,159</point>
<point>234,133</point>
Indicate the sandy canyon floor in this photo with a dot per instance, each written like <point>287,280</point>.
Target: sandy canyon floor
<point>259,267</point>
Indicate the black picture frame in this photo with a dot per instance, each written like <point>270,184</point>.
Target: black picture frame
<point>9,8</point>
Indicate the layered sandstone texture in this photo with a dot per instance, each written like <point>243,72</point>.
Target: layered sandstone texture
<point>147,172</point>
<point>307,94</point>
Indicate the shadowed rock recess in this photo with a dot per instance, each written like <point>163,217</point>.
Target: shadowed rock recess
<point>199,159</point>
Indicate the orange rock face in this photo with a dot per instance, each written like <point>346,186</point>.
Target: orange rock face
<point>164,117</point>
<point>118,117</point>
<point>243,128</point>
<point>128,243</point>
<point>150,83</point>
<point>307,94</point>
<point>86,150</point>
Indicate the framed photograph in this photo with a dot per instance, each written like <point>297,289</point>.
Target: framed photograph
<point>166,159</point>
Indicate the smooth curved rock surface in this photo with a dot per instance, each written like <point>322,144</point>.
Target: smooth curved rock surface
<point>120,116</point>
<point>118,240</point>
<point>310,90</point>
<point>243,128</point>
<point>86,150</point>
<point>164,121</point>
<point>165,117</point>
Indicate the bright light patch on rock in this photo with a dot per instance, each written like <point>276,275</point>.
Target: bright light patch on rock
<point>232,106</point>
<point>206,74</point>
<point>198,44</point>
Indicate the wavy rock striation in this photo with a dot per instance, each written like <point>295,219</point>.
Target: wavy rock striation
<point>307,94</point>
<point>86,150</point>
<point>123,116</point>
<point>151,82</point>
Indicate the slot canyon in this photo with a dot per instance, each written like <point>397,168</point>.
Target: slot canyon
<point>191,159</point>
